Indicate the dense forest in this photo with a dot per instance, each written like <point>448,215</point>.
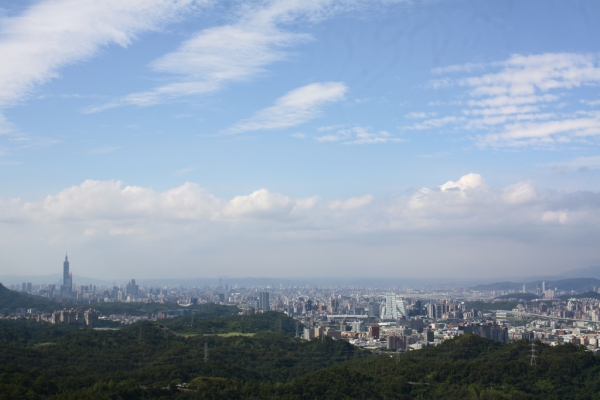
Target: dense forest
<point>150,360</point>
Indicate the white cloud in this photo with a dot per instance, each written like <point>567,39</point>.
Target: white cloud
<point>357,135</point>
<point>260,203</point>
<point>506,105</point>
<point>528,75</point>
<point>109,206</point>
<point>420,115</point>
<point>351,204</point>
<point>469,181</point>
<point>52,34</point>
<point>298,135</point>
<point>555,216</point>
<point>239,51</point>
<point>544,133</point>
<point>189,227</point>
<point>520,192</point>
<point>294,108</point>
<point>184,171</point>
<point>435,123</point>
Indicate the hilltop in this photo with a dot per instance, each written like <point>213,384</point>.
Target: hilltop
<point>10,300</point>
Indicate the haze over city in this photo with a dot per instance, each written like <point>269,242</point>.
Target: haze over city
<point>299,138</point>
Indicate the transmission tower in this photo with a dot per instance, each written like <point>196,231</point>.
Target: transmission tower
<point>533,356</point>
<point>297,333</point>
<point>206,352</point>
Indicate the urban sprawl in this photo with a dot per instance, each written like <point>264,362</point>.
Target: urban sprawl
<point>391,319</point>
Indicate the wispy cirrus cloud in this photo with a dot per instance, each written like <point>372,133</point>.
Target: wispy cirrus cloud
<point>357,135</point>
<point>517,104</point>
<point>53,34</point>
<point>294,108</point>
<point>236,52</point>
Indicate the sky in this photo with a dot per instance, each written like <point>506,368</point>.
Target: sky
<point>299,138</point>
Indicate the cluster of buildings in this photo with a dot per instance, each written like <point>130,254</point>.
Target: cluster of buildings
<point>367,317</point>
<point>394,322</point>
<point>70,317</point>
<point>572,309</point>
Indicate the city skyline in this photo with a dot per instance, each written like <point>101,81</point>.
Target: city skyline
<point>315,138</point>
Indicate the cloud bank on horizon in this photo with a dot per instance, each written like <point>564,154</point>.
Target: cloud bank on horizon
<point>342,123</point>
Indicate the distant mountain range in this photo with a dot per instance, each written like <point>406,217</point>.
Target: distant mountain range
<point>589,272</point>
<point>576,284</point>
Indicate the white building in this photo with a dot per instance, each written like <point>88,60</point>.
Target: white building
<point>393,308</point>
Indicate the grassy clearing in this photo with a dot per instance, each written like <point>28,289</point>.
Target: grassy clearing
<point>235,334</point>
<point>229,334</point>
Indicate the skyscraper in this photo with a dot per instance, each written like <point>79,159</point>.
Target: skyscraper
<point>263,301</point>
<point>67,285</point>
<point>393,308</point>
<point>132,289</point>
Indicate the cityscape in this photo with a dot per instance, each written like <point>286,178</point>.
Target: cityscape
<point>299,200</point>
<point>396,319</point>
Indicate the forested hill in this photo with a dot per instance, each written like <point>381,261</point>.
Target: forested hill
<point>10,300</point>
<point>149,360</point>
<point>519,296</point>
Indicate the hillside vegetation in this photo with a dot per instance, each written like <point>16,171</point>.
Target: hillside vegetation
<point>148,360</point>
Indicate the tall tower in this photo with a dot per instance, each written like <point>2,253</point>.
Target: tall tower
<point>67,277</point>
<point>263,301</point>
<point>66,270</point>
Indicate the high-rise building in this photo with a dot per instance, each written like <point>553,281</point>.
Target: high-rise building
<point>263,301</point>
<point>132,289</point>
<point>374,331</point>
<point>395,342</point>
<point>374,309</point>
<point>428,336</point>
<point>430,310</point>
<point>418,307</point>
<point>309,305</point>
<point>543,286</point>
<point>393,308</point>
<point>67,286</point>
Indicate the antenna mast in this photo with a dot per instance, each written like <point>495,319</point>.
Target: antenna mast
<point>533,356</point>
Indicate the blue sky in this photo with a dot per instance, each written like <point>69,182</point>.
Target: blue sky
<point>299,138</point>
